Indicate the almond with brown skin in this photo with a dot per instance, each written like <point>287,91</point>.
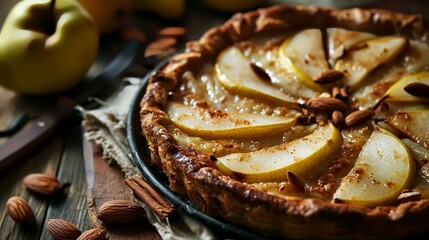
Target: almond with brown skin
<point>336,93</point>
<point>171,32</point>
<point>260,72</point>
<point>41,183</point>
<point>418,89</point>
<point>328,76</point>
<point>358,117</point>
<point>120,211</point>
<point>409,195</point>
<point>93,234</point>
<point>326,104</point>
<point>295,180</point>
<point>61,229</point>
<point>344,91</point>
<point>337,118</point>
<point>19,210</point>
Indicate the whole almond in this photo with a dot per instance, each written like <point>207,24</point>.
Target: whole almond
<point>120,211</point>
<point>326,104</point>
<point>93,234</point>
<point>295,180</point>
<point>418,89</point>
<point>358,117</point>
<point>41,183</point>
<point>260,72</point>
<point>60,229</point>
<point>171,32</point>
<point>409,195</point>
<point>337,118</point>
<point>328,76</point>
<point>19,210</point>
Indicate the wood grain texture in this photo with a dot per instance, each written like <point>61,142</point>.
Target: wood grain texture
<point>114,190</point>
<point>70,204</point>
<point>46,161</point>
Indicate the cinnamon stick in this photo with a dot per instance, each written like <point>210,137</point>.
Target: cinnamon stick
<point>150,197</point>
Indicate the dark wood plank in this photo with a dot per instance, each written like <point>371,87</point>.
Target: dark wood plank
<point>45,160</point>
<point>100,172</point>
<point>70,204</point>
<point>6,112</point>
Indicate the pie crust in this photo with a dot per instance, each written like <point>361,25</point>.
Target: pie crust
<point>194,174</point>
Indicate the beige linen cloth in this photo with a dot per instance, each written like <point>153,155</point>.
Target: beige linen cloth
<point>106,126</point>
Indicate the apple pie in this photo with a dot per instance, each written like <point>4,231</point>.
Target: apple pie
<point>299,122</point>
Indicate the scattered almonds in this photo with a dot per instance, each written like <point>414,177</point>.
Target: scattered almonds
<point>384,106</point>
<point>336,92</point>
<point>41,183</point>
<point>418,89</point>
<point>172,32</point>
<point>344,93</point>
<point>260,72</point>
<point>60,229</point>
<point>328,76</point>
<point>409,195</point>
<point>295,180</point>
<point>326,104</point>
<point>19,210</point>
<point>93,234</point>
<point>337,118</point>
<point>358,117</point>
<point>120,212</point>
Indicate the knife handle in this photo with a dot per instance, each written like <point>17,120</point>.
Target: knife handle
<point>36,131</point>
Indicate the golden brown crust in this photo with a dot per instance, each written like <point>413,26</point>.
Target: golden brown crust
<point>192,173</point>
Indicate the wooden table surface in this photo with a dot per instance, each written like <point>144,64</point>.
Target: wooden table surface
<point>62,154</point>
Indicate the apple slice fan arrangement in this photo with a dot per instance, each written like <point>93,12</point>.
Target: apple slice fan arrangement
<point>299,122</point>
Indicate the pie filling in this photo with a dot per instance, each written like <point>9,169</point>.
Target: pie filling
<point>332,114</point>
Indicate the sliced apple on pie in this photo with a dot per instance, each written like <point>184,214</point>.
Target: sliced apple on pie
<point>234,72</point>
<point>413,124</point>
<point>411,88</point>
<point>215,123</point>
<point>286,124</point>
<point>300,156</point>
<point>365,56</point>
<point>340,40</point>
<point>304,55</point>
<point>383,169</point>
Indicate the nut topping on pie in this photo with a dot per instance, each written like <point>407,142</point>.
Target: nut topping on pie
<point>299,122</point>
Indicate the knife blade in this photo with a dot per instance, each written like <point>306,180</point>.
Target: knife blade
<point>38,129</point>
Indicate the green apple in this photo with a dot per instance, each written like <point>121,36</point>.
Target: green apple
<point>397,93</point>
<point>301,156</point>
<point>108,15</point>
<point>340,40</point>
<point>383,169</point>
<point>413,124</point>
<point>365,56</point>
<point>304,55</point>
<point>44,53</point>
<point>234,72</point>
<point>216,124</point>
